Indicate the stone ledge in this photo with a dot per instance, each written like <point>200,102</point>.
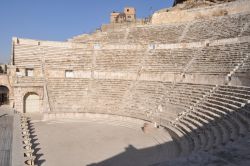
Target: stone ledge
<point>135,46</point>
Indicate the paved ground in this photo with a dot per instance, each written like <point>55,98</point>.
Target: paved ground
<point>80,143</point>
<point>6,128</point>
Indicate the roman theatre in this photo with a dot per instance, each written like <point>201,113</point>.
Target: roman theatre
<point>171,89</point>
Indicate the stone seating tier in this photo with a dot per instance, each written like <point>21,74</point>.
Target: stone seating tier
<point>213,114</point>
<point>194,31</point>
<point>223,117</point>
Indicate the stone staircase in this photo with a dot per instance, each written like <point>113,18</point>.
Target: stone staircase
<point>216,120</point>
<point>236,68</point>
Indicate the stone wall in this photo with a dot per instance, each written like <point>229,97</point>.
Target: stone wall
<point>21,91</point>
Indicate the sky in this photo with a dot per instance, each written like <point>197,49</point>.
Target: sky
<point>59,20</point>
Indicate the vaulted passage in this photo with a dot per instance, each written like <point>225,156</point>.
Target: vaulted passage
<point>31,103</point>
<point>4,95</point>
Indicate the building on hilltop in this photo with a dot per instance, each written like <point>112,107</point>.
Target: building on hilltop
<point>128,15</point>
<point>124,19</point>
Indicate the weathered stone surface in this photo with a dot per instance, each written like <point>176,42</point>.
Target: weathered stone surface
<point>166,16</point>
<point>187,72</point>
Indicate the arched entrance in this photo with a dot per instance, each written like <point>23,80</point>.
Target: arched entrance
<point>31,103</point>
<point>4,95</point>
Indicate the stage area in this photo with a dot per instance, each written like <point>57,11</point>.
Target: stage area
<point>86,141</point>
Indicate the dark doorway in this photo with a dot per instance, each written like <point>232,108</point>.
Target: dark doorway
<point>4,95</point>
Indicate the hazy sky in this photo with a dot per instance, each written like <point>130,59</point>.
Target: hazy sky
<point>59,20</point>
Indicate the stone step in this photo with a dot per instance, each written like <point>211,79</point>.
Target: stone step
<point>182,140</point>
<point>193,133</point>
<point>200,130</point>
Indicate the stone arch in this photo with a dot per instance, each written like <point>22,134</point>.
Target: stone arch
<point>31,102</point>
<point>4,94</point>
<point>21,94</point>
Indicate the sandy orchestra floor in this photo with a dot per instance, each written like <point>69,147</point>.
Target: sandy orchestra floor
<point>78,142</point>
